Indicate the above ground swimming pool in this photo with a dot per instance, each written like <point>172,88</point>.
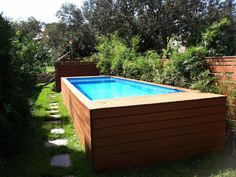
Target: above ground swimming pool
<point>124,123</point>
<point>100,88</point>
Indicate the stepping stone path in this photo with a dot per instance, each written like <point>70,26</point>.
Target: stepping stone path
<point>52,95</point>
<point>57,131</point>
<point>56,143</point>
<point>61,160</point>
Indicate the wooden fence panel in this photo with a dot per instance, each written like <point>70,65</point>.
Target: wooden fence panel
<point>73,68</point>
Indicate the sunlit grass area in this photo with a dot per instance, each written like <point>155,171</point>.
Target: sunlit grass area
<point>50,69</point>
<point>34,159</point>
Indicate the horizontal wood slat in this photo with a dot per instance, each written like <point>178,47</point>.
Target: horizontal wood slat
<point>159,133</point>
<point>73,68</point>
<point>133,159</point>
<point>168,141</point>
<point>223,67</point>
<point>157,116</point>
<point>80,116</point>
<point>157,125</point>
<point>160,107</point>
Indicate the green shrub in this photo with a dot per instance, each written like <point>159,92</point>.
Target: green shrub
<point>188,69</point>
<point>206,83</point>
<point>116,58</point>
<point>20,60</point>
<point>113,53</point>
<point>153,65</point>
<point>216,38</point>
<point>134,69</point>
<point>30,55</point>
<point>166,74</point>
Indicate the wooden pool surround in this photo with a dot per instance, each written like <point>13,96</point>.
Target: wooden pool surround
<point>134,131</point>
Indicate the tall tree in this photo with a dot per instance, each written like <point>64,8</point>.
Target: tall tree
<point>32,28</point>
<point>156,21</point>
<point>56,37</point>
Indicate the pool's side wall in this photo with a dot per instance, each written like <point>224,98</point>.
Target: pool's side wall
<point>80,115</point>
<point>128,136</point>
<point>139,135</point>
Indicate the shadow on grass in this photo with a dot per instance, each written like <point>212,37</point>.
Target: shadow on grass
<point>219,164</point>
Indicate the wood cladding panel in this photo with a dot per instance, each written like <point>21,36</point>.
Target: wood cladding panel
<point>143,134</point>
<point>150,117</point>
<point>161,149</point>
<point>73,68</point>
<point>132,159</point>
<point>224,68</point>
<point>172,123</point>
<point>152,134</point>
<point>80,116</point>
<point>161,107</point>
<point>167,141</point>
<point>127,136</point>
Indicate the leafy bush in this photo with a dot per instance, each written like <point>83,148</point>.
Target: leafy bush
<point>136,69</point>
<point>20,59</point>
<point>186,69</point>
<point>116,58</point>
<point>30,55</point>
<point>216,39</point>
<point>113,53</point>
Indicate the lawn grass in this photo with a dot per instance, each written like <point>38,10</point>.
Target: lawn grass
<point>34,160</point>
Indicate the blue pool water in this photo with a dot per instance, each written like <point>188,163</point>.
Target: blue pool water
<point>101,88</point>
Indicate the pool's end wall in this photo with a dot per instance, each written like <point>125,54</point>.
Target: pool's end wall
<point>73,68</point>
<point>135,134</point>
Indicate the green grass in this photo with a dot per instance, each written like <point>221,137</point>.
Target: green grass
<point>34,160</point>
<point>50,69</point>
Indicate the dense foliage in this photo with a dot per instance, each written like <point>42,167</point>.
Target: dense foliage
<point>155,22</point>
<point>216,39</point>
<point>71,33</point>
<point>21,58</point>
<point>186,69</point>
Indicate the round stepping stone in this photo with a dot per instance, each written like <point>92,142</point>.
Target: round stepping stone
<point>61,160</point>
<point>56,143</point>
<point>53,104</point>
<point>52,94</point>
<point>54,107</point>
<point>57,131</point>
<point>55,116</point>
<point>53,111</point>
